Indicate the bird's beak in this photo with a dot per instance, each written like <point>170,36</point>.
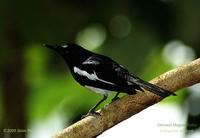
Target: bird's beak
<point>54,47</point>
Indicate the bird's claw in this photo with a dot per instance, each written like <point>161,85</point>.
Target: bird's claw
<point>115,98</point>
<point>91,113</point>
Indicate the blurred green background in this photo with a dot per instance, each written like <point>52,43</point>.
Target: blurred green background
<point>36,89</point>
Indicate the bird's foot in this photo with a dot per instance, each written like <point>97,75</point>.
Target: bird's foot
<point>115,98</point>
<point>91,113</point>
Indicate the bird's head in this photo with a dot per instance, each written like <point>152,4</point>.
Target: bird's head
<point>69,50</point>
<point>65,49</point>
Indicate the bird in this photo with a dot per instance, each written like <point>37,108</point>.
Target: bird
<point>101,74</point>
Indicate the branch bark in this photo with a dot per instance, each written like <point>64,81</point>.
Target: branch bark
<point>129,105</point>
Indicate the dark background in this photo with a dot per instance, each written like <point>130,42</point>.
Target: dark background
<point>35,82</point>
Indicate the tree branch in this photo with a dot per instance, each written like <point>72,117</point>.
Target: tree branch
<point>129,105</point>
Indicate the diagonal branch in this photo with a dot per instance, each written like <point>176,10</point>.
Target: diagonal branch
<point>129,105</point>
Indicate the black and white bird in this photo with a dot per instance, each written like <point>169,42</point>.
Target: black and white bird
<point>101,74</point>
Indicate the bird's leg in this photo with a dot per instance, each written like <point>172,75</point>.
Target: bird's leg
<point>116,97</point>
<point>92,110</point>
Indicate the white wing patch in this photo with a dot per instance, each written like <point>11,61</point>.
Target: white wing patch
<point>85,73</point>
<point>92,76</point>
<point>91,62</point>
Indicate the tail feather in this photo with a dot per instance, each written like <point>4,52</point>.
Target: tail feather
<point>150,87</point>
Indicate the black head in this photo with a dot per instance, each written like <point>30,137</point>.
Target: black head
<point>65,48</point>
<point>69,51</point>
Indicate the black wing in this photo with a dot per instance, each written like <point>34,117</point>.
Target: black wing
<point>109,70</point>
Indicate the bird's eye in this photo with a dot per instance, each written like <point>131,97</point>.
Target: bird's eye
<point>64,46</point>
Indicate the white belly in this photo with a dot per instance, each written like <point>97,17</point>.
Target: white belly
<point>98,90</point>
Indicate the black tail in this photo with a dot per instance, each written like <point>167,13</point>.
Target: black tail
<point>150,87</point>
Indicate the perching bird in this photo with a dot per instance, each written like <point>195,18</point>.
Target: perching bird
<point>101,74</point>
